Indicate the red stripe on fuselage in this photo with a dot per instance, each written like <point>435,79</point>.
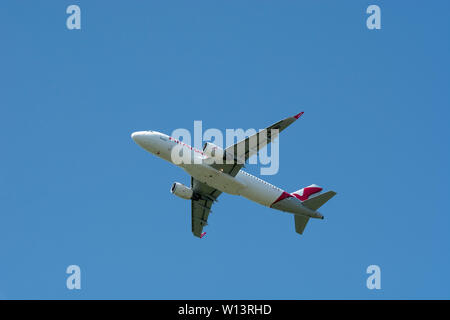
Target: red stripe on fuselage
<point>283,196</point>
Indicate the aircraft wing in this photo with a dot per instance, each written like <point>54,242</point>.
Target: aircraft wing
<point>201,207</point>
<point>250,146</point>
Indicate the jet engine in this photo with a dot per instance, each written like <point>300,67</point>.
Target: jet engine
<point>182,191</point>
<point>211,150</point>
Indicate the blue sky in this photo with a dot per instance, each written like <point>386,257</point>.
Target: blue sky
<point>75,189</point>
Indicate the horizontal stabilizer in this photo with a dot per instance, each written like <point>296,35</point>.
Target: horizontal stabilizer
<point>300,223</point>
<point>316,202</point>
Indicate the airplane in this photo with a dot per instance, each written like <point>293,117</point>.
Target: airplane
<point>210,178</point>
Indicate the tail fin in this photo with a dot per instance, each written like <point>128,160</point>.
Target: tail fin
<point>312,203</point>
<point>318,201</point>
<point>307,192</point>
<point>300,223</point>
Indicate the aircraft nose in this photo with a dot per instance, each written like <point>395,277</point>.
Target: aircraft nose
<point>135,135</point>
<point>138,136</point>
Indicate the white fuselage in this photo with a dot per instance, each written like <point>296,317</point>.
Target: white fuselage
<point>243,184</point>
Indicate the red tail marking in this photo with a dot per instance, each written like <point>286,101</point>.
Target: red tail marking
<point>307,192</point>
<point>202,235</point>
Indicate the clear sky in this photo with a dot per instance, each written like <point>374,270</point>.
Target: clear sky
<point>75,189</point>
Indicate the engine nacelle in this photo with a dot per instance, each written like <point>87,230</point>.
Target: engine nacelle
<point>182,191</point>
<point>211,150</point>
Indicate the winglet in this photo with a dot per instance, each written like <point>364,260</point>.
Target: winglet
<point>298,115</point>
<point>202,235</point>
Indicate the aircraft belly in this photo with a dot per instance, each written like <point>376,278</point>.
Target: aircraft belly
<point>215,178</point>
<point>257,190</point>
<point>243,184</point>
